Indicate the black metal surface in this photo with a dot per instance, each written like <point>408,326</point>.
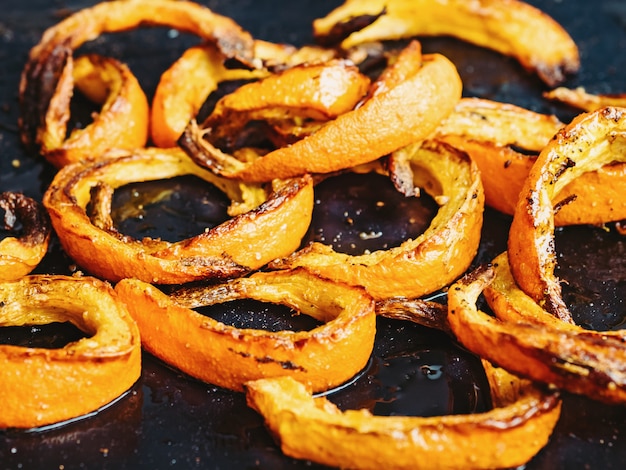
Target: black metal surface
<point>171,421</point>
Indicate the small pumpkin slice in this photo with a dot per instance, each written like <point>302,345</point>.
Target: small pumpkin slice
<point>122,121</point>
<point>430,261</point>
<point>581,99</point>
<point>323,357</point>
<point>318,92</point>
<point>530,342</point>
<point>20,255</point>
<point>45,386</point>
<point>185,86</point>
<point>520,424</point>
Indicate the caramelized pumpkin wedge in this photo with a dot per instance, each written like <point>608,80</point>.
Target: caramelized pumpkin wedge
<point>21,254</point>
<point>121,122</point>
<point>525,342</point>
<point>433,259</point>
<point>45,386</point>
<point>589,142</point>
<point>428,92</point>
<point>185,86</point>
<point>317,92</point>
<point>45,74</point>
<point>510,27</point>
<point>500,123</point>
<point>504,141</point>
<point>224,355</point>
<point>520,424</point>
<point>268,224</point>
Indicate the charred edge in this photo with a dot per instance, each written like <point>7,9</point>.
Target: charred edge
<point>612,113</point>
<point>568,200</point>
<point>573,372</point>
<point>33,217</point>
<point>402,177</point>
<point>556,308</point>
<point>188,141</point>
<point>567,164</point>
<point>99,207</point>
<point>343,29</point>
<point>483,273</point>
<point>283,194</point>
<point>237,48</point>
<point>287,365</point>
<point>42,76</point>
<point>546,404</point>
<point>421,312</point>
<point>555,74</point>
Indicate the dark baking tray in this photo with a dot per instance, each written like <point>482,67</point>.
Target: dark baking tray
<point>170,420</point>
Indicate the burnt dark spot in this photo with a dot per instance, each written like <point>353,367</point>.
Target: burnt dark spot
<point>42,76</point>
<point>568,200</point>
<point>568,163</point>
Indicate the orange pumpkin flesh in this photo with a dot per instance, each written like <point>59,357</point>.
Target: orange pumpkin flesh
<point>524,340</point>
<point>314,429</point>
<point>270,226</point>
<point>227,356</point>
<point>510,27</point>
<point>428,93</point>
<point>20,255</point>
<point>45,386</point>
<point>589,142</point>
<point>489,131</point>
<point>122,121</point>
<point>433,259</point>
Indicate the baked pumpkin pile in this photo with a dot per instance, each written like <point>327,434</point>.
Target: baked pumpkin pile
<point>321,110</point>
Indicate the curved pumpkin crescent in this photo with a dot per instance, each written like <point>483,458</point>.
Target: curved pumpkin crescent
<point>520,424</point>
<point>490,132</point>
<point>122,121</point>
<point>510,27</point>
<point>323,357</point>
<point>46,73</point>
<point>433,259</point>
<point>21,254</point>
<point>45,386</point>
<point>589,142</point>
<point>266,226</point>
<point>530,342</point>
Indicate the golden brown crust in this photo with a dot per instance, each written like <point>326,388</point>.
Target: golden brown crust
<point>268,225</point>
<point>510,27</point>
<point>589,142</point>
<point>20,255</point>
<point>430,261</point>
<point>45,386</point>
<point>228,356</point>
<point>47,66</point>
<point>315,429</point>
<point>528,341</point>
